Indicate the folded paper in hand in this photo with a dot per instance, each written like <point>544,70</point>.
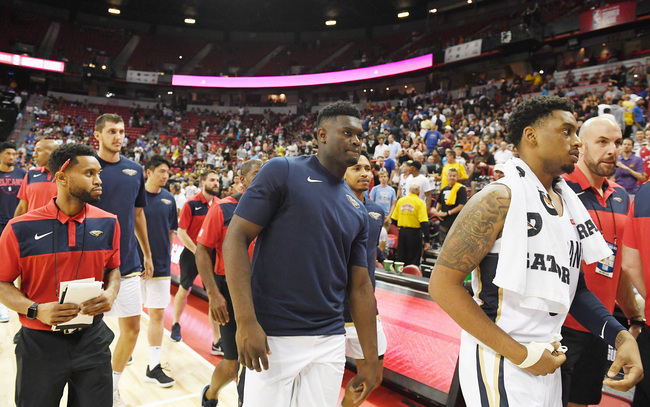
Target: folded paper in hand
<point>77,292</point>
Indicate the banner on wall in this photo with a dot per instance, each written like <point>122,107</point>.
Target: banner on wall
<point>141,76</point>
<point>608,16</point>
<point>463,51</point>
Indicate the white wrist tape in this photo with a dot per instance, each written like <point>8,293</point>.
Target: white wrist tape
<point>535,351</point>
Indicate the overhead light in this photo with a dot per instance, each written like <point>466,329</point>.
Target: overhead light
<point>115,11</point>
<point>190,21</point>
<point>104,67</point>
<point>180,57</point>
<point>403,14</point>
<point>169,92</point>
<point>433,10</point>
<point>541,72</point>
<point>330,22</point>
<point>469,1</point>
<point>387,88</point>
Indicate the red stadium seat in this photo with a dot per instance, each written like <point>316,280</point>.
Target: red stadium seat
<point>412,269</point>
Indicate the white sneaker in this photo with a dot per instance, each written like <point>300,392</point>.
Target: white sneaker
<point>4,314</point>
<point>117,400</point>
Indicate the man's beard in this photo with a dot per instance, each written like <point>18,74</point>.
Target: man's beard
<point>84,195</point>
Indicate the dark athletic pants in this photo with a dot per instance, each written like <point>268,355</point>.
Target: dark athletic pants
<point>409,246</point>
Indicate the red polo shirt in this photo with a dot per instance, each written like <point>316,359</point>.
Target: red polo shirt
<point>46,247</point>
<point>214,230</point>
<point>637,236</point>
<point>609,213</point>
<point>193,213</point>
<point>37,188</point>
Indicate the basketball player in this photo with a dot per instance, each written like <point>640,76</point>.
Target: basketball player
<point>37,188</point>
<point>311,248</point>
<point>508,350</point>
<point>124,196</point>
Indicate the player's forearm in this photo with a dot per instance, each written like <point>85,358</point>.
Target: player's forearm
<point>21,208</point>
<point>364,312</point>
<point>186,240</point>
<point>112,282</point>
<point>203,258</point>
<point>238,273</point>
<point>626,299</point>
<point>13,299</point>
<point>446,288</point>
<point>141,232</point>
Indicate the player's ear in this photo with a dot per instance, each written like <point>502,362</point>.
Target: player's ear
<point>321,135</point>
<point>530,135</point>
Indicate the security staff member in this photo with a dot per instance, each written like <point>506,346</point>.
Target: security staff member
<point>67,239</point>
<point>410,215</point>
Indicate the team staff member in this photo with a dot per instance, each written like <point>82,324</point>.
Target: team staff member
<point>11,178</point>
<point>210,241</point>
<point>37,188</point>
<point>636,262</point>
<point>358,179</point>
<point>450,202</point>
<point>311,248</point>
<point>124,196</point>
<point>607,203</point>
<point>162,221</point>
<point>410,216</point>
<point>72,240</point>
<point>516,310</point>
<point>189,225</point>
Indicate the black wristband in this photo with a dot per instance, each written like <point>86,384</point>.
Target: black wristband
<point>639,322</point>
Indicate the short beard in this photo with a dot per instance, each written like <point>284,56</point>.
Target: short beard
<point>84,196</point>
<point>213,192</point>
<point>568,168</point>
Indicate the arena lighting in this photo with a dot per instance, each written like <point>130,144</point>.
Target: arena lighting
<point>115,11</point>
<point>33,63</point>
<point>330,22</point>
<point>403,14</point>
<point>325,78</point>
<point>433,10</point>
<point>190,21</point>
<point>469,1</point>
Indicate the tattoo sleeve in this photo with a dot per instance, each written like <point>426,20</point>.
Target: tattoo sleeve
<point>475,230</point>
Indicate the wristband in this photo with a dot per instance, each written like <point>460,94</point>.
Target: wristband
<point>535,351</point>
<point>639,322</point>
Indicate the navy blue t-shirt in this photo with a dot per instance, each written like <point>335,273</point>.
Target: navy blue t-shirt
<point>122,191</point>
<point>376,219</point>
<point>10,183</point>
<point>314,229</point>
<point>162,217</point>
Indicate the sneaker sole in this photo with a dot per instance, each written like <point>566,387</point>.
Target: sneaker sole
<point>176,340</point>
<point>164,385</point>
<point>216,352</point>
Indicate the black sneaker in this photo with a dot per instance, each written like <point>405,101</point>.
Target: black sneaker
<point>205,402</point>
<point>176,332</point>
<point>158,376</point>
<point>216,348</point>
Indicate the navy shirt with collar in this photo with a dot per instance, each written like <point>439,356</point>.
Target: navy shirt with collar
<point>10,183</point>
<point>314,230</point>
<point>123,191</point>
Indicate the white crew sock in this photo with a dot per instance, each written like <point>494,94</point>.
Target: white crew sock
<point>116,379</point>
<point>155,356</point>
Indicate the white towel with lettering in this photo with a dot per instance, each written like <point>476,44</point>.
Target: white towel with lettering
<point>532,225</point>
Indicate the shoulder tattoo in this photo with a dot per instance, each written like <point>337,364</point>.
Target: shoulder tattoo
<point>477,227</point>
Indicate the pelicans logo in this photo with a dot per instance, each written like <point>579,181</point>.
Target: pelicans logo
<point>166,201</point>
<point>353,201</point>
<point>374,215</point>
<point>96,233</point>
<point>129,172</point>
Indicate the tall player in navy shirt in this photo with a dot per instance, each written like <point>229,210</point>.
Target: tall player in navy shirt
<point>124,196</point>
<point>11,177</point>
<point>358,178</point>
<point>162,221</point>
<point>311,249</point>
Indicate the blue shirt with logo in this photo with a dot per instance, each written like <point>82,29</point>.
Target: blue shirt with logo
<point>314,230</point>
<point>162,217</point>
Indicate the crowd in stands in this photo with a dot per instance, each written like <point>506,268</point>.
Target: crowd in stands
<point>434,129</point>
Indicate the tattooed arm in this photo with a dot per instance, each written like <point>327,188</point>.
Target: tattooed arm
<point>470,239</point>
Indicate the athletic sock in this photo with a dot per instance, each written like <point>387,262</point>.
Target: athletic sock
<point>155,356</point>
<point>116,379</point>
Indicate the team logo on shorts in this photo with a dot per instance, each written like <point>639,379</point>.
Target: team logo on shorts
<point>166,201</point>
<point>353,201</point>
<point>129,172</point>
<point>374,215</point>
<point>96,233</point>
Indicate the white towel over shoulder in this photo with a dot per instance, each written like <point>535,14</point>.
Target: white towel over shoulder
<point>544,291</point>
